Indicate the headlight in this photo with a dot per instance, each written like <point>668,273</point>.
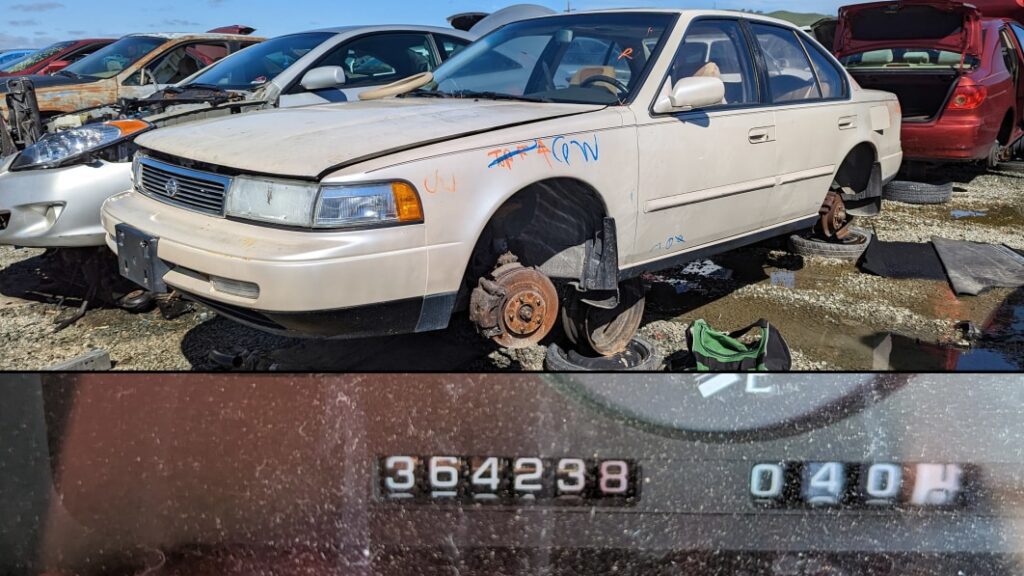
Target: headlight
<point>274,201</point>
<point>368,205</point>
<point>303,205</point>
<point>57,149</point>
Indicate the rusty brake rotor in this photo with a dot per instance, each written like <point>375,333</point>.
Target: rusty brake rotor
<point>517,307</point>
<point>834,222</point>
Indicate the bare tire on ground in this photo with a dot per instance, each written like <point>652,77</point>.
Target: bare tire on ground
<point>910,192</point>
<point>605,332</point>
<point>640,356</point>
<point>850,249</point>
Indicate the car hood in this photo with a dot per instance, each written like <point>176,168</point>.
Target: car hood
<point>311,142</point>
<point>46,81</point>
<point>948,25</point>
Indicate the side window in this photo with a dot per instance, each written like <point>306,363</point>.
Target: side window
<point>383,58</point>
<point>587,58</point>
<point>449,45</point>
<point>790,76</point>
<point>718,48</point>
<point>1009,52</point>
<point>178,64</point>
<point>1019,33</point>
<point>830,77</point>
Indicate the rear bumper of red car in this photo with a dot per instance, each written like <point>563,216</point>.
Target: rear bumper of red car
<point>949,139</point>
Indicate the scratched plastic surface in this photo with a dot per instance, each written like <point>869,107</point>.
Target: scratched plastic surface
<point>226,474</point>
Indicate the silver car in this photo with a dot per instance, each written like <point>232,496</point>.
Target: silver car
<point>51,193</point>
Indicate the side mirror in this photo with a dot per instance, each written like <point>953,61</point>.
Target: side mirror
<point>324,77</point>
<point>691,94</point>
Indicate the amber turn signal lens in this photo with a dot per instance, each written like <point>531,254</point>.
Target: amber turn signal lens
<point>129,127</point>
<point>407,202</point>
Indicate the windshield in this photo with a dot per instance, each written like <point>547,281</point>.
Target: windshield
<point>261,63</point>
<point>585,59</point>
<point>111,60</point>
<point>913,58</point>
<point>35,58</point>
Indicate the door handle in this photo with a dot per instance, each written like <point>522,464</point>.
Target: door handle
<point>847,122</point>
<point>762,135</point>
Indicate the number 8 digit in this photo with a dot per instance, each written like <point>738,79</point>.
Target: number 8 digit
<point>614,477</point>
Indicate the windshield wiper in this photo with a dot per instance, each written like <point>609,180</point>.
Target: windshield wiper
<point>68,73</point>
<point>213,87</point>
<point>500,96</point>
<point>427,94</point>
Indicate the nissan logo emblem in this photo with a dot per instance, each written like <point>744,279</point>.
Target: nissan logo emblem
<point>171,188</point>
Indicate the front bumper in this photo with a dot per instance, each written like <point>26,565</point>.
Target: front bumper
<point>58,208</point>
<point>949,140</point>
<point>333,284</point>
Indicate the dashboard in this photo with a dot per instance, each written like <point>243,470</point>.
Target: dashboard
<point>575,474</point>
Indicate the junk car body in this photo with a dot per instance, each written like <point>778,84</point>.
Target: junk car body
<point>10,56</point>
<point>135,66</point>
<point>956,72</point>
<point>546,168</point>
<point>54,57</point>
<point>51,193</point>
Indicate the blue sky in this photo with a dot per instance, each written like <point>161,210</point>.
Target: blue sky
<point>27,23</point>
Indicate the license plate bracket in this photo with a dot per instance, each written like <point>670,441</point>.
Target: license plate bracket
<point>137,258</point>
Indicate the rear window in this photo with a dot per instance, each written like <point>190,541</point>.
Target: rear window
<point>907,23</point>
<point>907,58</point>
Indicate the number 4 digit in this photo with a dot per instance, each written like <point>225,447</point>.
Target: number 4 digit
<point>486,475</point>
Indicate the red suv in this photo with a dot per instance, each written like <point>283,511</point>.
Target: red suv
<point>956,72</point>
<point>54,57</point>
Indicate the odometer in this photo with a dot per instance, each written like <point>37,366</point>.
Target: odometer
<point>729,406</point>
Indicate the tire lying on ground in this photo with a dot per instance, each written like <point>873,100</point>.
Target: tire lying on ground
<point>910,192</point>
<point>640,356</point>
<point>850,249</point>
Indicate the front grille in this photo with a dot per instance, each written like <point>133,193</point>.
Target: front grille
<point>183,187</point>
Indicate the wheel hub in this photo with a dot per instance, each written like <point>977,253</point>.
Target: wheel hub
<point>835,222</point>
<point>516,306</point>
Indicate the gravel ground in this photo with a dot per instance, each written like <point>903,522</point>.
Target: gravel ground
<point>833,316</point>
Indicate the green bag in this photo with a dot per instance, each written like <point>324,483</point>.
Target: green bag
<point>715,351</point>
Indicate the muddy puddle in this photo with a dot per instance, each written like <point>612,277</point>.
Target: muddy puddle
<point>845,319</point>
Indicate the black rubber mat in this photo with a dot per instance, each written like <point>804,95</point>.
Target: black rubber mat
<point>903,261</point>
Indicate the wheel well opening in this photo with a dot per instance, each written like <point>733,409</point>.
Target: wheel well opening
<point>1006,130</point>
<point>855,171</point>
<point>546,225</point>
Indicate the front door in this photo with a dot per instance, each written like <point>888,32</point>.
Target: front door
<point>706,175</point>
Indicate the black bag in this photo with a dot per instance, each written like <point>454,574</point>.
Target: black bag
<point>715,351</point>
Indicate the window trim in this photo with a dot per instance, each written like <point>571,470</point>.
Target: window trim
<point>847,96</point>
<point>760,88</point>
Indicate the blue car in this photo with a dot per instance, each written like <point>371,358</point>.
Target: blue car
<point>11,56</point>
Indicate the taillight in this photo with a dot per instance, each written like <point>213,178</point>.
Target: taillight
<point>968,97</point>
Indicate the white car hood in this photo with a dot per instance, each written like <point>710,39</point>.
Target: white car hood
<point>307,142</point>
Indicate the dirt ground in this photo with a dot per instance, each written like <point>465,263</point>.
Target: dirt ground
<point>832,315</point>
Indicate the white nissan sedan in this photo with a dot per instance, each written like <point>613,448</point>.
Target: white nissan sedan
<point>542,170</point>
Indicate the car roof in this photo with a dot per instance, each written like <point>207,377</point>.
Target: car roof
<point>198,35</point>
<point>681,12</point>
<point>389,27</point>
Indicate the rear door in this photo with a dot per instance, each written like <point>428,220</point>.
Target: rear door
<point>813,115</point>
